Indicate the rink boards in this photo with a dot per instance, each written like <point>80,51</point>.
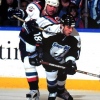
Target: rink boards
<point>72,84</point>
<point>12,71</point>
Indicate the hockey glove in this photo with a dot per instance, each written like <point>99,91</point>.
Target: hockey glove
<point>31,27</point>
<point>34,60</point>
<point>71,67</point>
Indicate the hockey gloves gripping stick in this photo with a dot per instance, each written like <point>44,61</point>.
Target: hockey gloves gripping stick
<point>70,67</point>
<point>31,27</point>
<point>62,67</point>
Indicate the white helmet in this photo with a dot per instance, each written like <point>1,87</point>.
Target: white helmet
<point>54,3</point>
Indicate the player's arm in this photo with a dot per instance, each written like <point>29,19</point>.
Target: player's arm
<point>71,57</point>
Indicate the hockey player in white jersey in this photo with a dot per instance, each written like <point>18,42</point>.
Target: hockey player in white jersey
<point>50,20</point>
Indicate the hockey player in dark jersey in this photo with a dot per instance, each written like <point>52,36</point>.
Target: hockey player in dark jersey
<point>61,49</point>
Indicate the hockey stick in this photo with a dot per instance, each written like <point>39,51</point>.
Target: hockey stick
<point>79,71</point>
<point>18,18</point>
<point>39,28</point>
<point>25,21</point>
<point>50,64</point>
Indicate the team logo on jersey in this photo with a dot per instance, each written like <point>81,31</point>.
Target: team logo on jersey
<point>31,8</point>
<point>58,51</point>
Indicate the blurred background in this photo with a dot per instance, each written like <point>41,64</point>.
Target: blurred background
<point>86,12</point>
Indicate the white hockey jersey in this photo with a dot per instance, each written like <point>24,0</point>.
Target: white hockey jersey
<point>50,24</point>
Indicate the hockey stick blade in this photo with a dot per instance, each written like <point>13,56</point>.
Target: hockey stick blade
<point>62,67</point>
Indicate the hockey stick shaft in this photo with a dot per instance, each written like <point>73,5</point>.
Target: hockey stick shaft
<point>50,64</point>
<point>25,21</point>
<point>88,73</point>
<point>18,18</point>
<point>41,29</point>
<point>79,71</point>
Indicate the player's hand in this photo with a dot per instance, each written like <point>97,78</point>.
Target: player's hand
<point>71,67</point>
<point>35,61</point>
<point>31,26</point>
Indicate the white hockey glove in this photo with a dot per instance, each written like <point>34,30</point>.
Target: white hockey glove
<point>71,67</point>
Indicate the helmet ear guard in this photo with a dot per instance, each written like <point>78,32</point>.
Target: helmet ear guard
<point>68,20</point>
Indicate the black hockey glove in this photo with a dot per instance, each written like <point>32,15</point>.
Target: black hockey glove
<point>71,67</point>
<point>34,59</point>
<point>31,27</point>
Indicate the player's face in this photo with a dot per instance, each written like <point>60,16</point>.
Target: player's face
<point>51,10</point>
<point>67,30</point>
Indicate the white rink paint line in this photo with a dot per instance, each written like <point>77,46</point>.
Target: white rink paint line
<point>19,94</point>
